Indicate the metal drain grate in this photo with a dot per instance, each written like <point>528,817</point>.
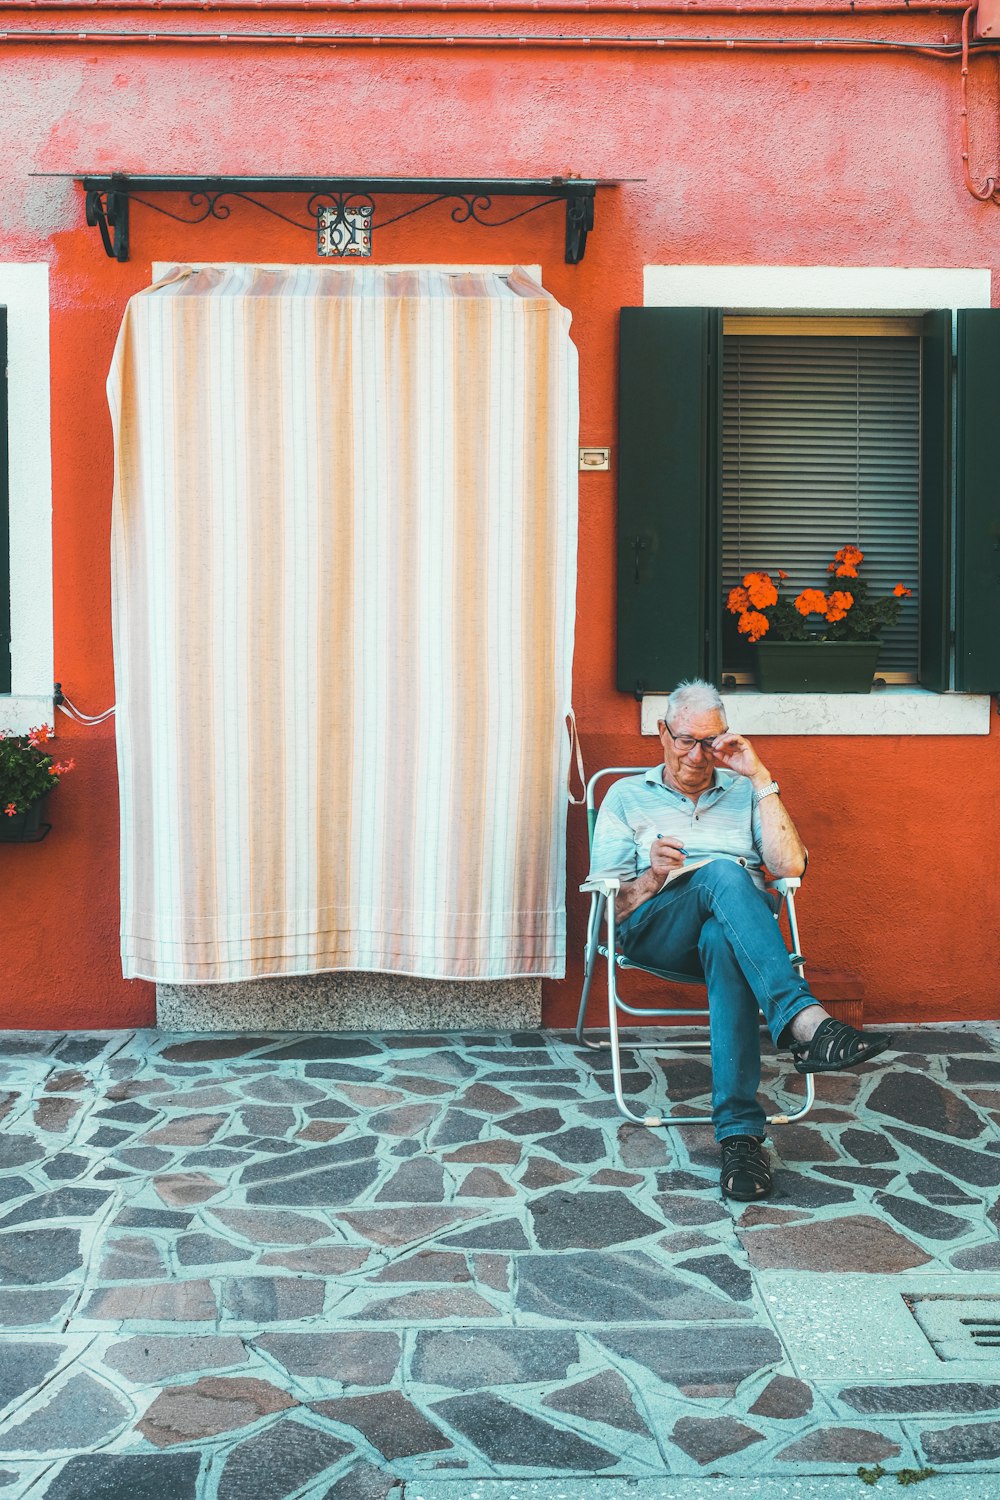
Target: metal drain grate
<point>958,1327</point>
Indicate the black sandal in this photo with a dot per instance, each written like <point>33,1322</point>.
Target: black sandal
<point>746,1169</point>
<point>835,1045</point>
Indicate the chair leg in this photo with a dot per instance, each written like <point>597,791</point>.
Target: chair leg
<point>590,957</point>
<point>613,1038</point>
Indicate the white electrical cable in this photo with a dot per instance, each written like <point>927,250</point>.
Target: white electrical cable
<point>74,713</point>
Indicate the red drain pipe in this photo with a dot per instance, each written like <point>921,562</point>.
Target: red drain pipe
<point>988,192</point>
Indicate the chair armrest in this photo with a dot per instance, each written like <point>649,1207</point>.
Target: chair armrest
<point>602,885</point>
<point>785,883</point>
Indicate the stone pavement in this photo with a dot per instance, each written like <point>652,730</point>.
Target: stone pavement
<point>327,1267</point>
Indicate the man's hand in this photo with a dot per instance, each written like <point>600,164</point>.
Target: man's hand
<point>734,753</point>
<point>665,854</point>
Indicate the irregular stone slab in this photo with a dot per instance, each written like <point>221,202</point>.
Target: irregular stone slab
<point>857,1242</point>
<point>25,1366</point>
<point>707,1438</point>
<point>350,1358</point>
<point>581,1143</point>
<point>627,1287</point>
<point>427,1265</point>
<point>414,1084</point>
<point>407,1120</point>
<point>917,1099</point>
<point>695,1358</point>
<point>933,1223</point>
<point>129,1113</point>
<point>867,1146</point>
<point>611,1177</point>
<point>875,1177</point>
<point>149,1359</point>
<point>321,1130</point>
<point>965,1443</point>
<point>465,1359</point>
<point>803,1143</point>
<point>977,1167</point>
<point>783,1398</point>
<point>507,1435</point>
<point>490,1100</point>
<point>273,1089</point>
<point>974,1070</point>
<point>127,1476</point>
<point>978,1258</point>
<point>23,1309</point>
<point>169,1302</point>
<point>191,1130</point>
<point>532,1122</point>
<point>419,1180</point>
<point>312,1047</point>
<point>681,1208</point>
<point>964,1396</point>
<point>766,1213</point>
<point>318,1260</point>
<point>638,1147</point>
<point>58,1168</point>
<point>216,1403</point>
<point>840,1445</point>
<point>265,1226</point>
<point>371,1096</point>
<point>482,1182</point>
<point>493,1271</point>
<point>280,1460</point>
<point>676,1244</point>
<point>605,1397</point>
<point>938,1189</point>
<point>54,1115</point>
<point>29,1257</point>
<point>144,1158</point>
<point>402,1226</point>
<point>504,1153</point>
<point>542,1172</point>
<point>589,1220</point>
<point>208,1250</point>
<point>311,1159</point>
<point>62,1203</point>
<point>132,1258</point>
<point>271,1299</point>
<point>186,1187</point>
<point>392,1424</point>
<point>457,1127</point>
<point>330,1187</point>
<point>70,1081</point>
<point>806,1191</point>
<point>151,1218</point>
<point>364,1482</point>
<point>80,1414</point>
<point>723,1271</point>
<point>210,1049</point>
<point>422,1307</point>
<point>495,1234</point>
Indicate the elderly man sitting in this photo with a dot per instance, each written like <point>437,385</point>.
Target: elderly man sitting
<point>713,798</point>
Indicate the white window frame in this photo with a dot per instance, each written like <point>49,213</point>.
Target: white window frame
<point>24,291</point>
<point>850,290</point>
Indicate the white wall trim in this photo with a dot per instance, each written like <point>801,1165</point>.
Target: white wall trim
<point>24,291</point>
<point>805,289</point>
<point>161,268</point>
<point>887,711</point>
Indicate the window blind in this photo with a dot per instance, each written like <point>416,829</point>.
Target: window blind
<point>821,446</point>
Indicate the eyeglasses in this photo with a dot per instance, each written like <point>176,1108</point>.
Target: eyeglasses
<point>685,743</point>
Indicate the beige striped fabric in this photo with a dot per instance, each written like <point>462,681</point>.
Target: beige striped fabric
<point>344,558</point>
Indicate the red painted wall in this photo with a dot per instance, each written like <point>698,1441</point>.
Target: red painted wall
<point>804,158</point>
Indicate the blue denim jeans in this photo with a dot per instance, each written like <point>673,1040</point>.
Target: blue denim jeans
<point>717,925</point>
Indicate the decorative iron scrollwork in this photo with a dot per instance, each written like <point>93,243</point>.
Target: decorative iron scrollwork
<point>340,211</point>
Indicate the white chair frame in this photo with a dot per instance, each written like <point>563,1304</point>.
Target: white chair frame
<point>602,909</point>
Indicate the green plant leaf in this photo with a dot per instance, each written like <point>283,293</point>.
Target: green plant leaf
<point>872,1475</point>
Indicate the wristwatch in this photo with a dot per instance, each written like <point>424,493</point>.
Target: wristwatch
<point>769,789</point>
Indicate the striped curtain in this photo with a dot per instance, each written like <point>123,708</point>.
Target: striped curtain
<point>344,561</point>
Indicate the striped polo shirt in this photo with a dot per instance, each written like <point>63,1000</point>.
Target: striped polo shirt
<point>723,824</point>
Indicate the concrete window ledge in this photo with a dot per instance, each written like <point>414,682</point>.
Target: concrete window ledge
<point>884,711</point>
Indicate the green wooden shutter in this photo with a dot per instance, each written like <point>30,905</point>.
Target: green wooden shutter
<point>668,496</point>
<point>935,501</point>
<point>5,673</point>
<point>977,532</point>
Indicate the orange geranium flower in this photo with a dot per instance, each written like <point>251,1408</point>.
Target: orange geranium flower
<point>902,592</point>
<point>812,602</point>
<point>782,574</point>
<point>738,601</point>
<point>845,564</point>
<point>838,604</point>
<point>760,587</point>
<point>11,810</point>
<point>753,624</point>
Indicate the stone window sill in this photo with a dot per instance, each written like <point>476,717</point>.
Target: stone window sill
<point>902,710</point>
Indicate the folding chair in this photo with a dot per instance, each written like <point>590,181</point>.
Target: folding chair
<point>602,907</point>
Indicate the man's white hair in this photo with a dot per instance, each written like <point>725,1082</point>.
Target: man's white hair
<point>695,696</point>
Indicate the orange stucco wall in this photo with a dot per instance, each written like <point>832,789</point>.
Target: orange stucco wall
<point>745,157</point>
